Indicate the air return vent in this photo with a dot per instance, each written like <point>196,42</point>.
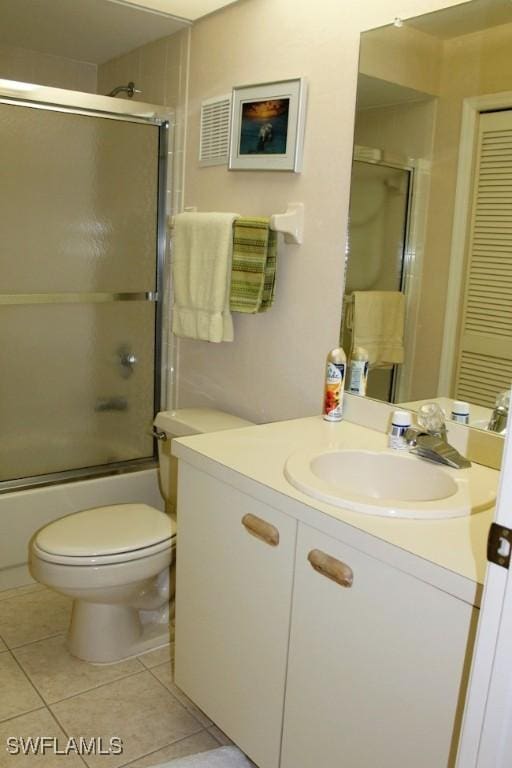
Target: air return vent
<point>215,120</point>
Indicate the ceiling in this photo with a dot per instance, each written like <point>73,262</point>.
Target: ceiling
<point>95,30</point>
<point>464,19</point>
<point>373,92</point>
<point>186,9</point>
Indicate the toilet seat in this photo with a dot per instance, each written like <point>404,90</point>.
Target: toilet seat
<point>106,535</point>
<point>124,557</point>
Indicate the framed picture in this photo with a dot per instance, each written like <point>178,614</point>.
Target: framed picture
<point>267,126</point>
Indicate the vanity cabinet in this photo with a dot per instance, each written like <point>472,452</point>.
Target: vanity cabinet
<point>233,604</point>
<point>364,660</point>
<point>374,668</point>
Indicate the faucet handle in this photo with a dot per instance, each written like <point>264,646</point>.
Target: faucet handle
<point>503,399</point>
<point>431,419</point>
<point>499,416</point>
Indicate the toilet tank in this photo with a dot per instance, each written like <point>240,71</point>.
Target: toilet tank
<point>180,423</point>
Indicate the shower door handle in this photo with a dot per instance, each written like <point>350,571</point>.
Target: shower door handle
<point>127,360</point>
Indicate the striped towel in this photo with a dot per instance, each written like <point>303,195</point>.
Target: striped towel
<point>254,265</point>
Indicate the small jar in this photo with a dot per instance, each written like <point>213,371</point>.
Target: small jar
<point>400,423</point>
<point>358,371</point>
<point>460,412</point>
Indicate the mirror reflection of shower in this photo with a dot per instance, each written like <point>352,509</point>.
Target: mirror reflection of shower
<point>129,89</point>
<point>379,209</point>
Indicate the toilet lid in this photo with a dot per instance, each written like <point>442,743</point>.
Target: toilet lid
<point>106,531</point>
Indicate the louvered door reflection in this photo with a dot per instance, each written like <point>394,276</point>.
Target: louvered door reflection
<point>484,365</point>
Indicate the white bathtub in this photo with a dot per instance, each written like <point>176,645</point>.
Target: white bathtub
<point>23,512</point>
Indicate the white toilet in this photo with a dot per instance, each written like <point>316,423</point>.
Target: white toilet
<point>114,560</point>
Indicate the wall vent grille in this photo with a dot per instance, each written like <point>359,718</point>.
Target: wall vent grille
<point>215,122</point>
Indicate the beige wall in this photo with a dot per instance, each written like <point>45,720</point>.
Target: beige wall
<point>41,68</point>
<point>274,369</point>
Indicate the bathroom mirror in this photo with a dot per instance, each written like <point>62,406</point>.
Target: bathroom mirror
<point>431,203</point>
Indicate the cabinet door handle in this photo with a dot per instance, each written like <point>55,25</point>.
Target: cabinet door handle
<point>332,568</point>
<point>261,529</point>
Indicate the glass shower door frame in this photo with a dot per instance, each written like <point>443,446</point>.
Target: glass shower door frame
<point>59,100</point>
<point>412,252</point>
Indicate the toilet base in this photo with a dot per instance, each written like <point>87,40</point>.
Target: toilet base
<point>105,634</point>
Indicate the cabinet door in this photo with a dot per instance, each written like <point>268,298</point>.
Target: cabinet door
<point>233,611</point>
<point>374,671</point>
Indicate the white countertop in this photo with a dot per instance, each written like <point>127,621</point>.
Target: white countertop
<point>450,553</point>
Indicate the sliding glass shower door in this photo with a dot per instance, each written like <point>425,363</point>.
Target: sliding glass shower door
<point>79,203</point>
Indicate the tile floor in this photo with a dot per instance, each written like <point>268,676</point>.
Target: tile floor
<point>44,691</point>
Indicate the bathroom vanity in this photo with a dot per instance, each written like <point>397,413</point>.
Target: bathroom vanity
<point>311,634</point>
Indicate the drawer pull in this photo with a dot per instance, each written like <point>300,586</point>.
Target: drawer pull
<point>261,529</point>
<point>331,568</point>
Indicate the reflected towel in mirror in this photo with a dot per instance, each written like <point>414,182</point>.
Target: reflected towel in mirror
<point>376,322</point>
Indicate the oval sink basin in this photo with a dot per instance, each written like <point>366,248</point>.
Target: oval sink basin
<point>390,483</point>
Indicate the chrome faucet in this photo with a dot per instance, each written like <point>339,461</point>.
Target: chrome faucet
<point>499,416</point>
<point>429,440</point>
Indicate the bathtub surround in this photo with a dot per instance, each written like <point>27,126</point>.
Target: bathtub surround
<point>28,66</point>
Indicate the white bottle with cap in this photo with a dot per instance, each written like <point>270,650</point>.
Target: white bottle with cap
<point>358,371</point>
<point>460,411</point>
<point>400,423</point>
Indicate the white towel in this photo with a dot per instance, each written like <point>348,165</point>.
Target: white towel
<point>225,757</point>
<point>377,319</point>
<point>201,269</point>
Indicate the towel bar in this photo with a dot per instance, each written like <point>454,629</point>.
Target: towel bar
<point>290,223</point>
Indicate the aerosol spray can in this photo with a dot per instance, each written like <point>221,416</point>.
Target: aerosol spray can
<point>335,370</point>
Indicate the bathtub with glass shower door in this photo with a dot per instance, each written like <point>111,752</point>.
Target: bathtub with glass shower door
<point>81,259</point>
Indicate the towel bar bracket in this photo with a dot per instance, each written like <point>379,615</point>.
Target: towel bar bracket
<point>291,223</point>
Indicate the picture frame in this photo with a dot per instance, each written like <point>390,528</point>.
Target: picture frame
<point>267,126</point>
